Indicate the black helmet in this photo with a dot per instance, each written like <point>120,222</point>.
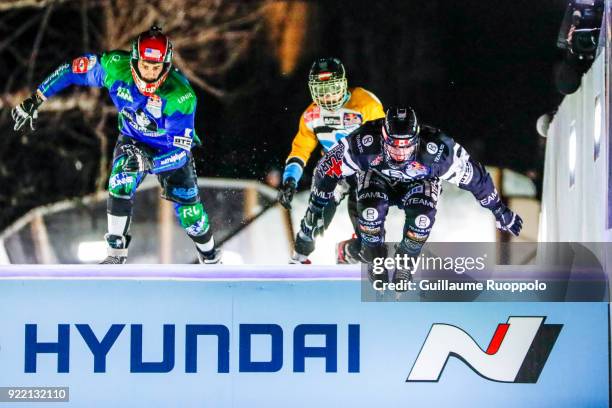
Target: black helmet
<point>401,134</point>
<point>327,83</point>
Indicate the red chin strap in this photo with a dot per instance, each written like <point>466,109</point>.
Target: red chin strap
<point>148,88</point>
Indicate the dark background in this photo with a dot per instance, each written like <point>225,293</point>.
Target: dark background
<point>480,70</point>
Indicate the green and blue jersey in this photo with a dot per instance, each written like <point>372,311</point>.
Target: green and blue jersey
<point>164,121</point>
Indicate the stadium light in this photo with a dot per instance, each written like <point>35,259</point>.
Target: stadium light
<point>597,128</point>
<point>572,156</point>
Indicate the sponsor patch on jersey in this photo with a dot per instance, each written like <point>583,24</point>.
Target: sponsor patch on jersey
<point>321,194</point>
<point>417,166</point>
<point>155,100</point>
<point>413,171</point>
<point>61,70</point>
<point>182,142</point>
<point>373,194</point>
<point>312,114</point>
<point>418,189</point>
<point>120,179</point>
<point>332,165</point>
<point>419,201</point>
<point>468,173</point>
<point>370,214</point>
<point>367,140</point>
<point>331,121</point>
<point>173,159</point>
<point>140,122</point>
<point>351,119</point>
<point>371,238</point>
<point>154,105</point>
<point>439,155</point>
<point>491,198</point>
<point>369,230</point>
<point>142,119</point>
<point>185,193</point>
<point>422,221</point>
<point>415,236</point>
<point>124,94</point>
<point>185,97</point>
<point>432,148</point>
<point>83,64</point>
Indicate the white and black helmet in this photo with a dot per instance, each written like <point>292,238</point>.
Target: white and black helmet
<point>327,83</point>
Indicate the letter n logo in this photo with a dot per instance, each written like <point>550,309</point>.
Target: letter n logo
<point>516,353</point>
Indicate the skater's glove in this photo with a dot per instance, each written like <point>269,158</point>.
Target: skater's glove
<point>507,220</point>
<point>136,160</point>
<point>286,192</point>
<point>312,223</point>
<point>27,112</point>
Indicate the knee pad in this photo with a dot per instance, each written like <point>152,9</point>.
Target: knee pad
<point>420,219</point>
<point>328,213</point>
<point>419,222</point>
<point>193,218</point>
<point>372,208</point>
<point>122,184</point>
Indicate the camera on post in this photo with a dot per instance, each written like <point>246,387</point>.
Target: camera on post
<point>579,33</point>
<point>578,37</point>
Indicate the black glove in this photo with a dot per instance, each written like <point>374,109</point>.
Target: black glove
<point>286,192</point>
<point>136,160</point>
<point>507,220</point>
<point>27,111</point>
<point>313,223</point>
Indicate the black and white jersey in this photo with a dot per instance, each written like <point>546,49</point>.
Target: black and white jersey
<point>437,156</point>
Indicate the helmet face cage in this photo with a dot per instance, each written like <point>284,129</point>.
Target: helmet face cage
<point>400,134</point>
<point>399,150</point>
<point>327,83</point>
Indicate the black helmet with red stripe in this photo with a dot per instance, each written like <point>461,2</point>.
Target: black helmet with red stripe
<point>154,47</point>
<point>401,134</point>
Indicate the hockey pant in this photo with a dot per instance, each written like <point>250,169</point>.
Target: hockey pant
<point>418,199</point>
<point>179,186</point>
<point>346,188</point>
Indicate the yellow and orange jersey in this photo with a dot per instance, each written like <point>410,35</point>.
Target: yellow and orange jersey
<point>318,125</point>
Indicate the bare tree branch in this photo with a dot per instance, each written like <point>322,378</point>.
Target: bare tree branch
<point>210,37</point>
<point>37,41</point>
<point>16,33</point>
<point>17,4</point>
<point>208,40</point>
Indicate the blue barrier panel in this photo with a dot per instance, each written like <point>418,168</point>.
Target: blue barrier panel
<point>225,337</point>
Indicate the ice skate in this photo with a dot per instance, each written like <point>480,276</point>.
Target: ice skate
<point>117,249</point>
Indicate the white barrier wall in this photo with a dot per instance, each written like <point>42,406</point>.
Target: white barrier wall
<point>300,336</point>
<point>574,197</point>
